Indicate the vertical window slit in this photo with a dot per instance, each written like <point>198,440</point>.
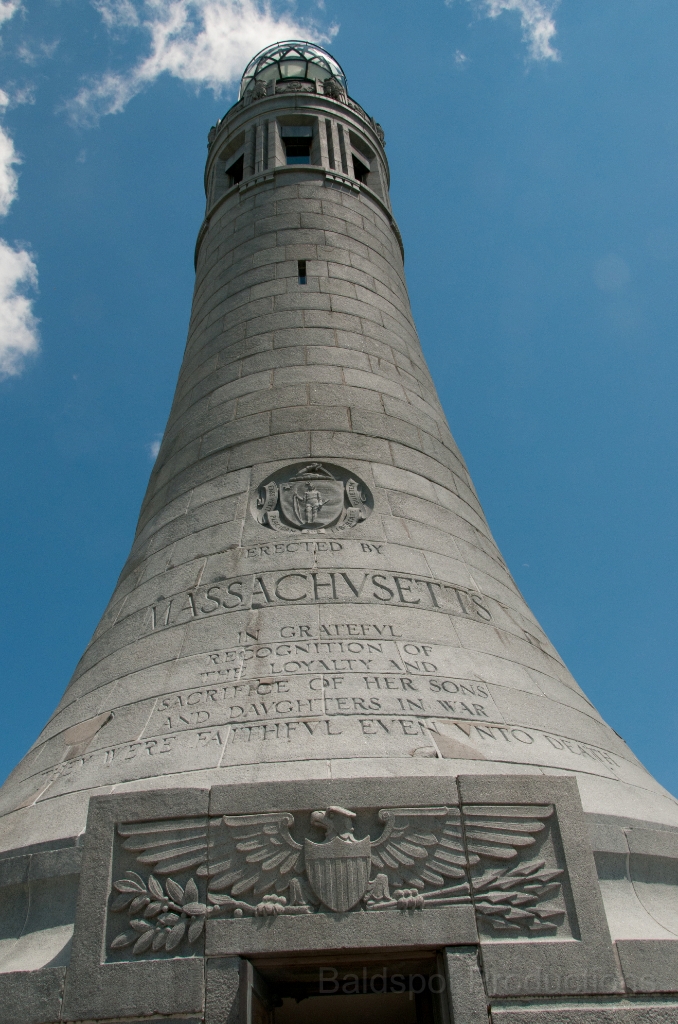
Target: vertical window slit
<point>301,270</point>
<point>265,161</point>
<point>342,147</point>
<point>330,144</point>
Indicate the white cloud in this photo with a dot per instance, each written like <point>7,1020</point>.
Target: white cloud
<point>9,160</point>
<point>18,325</point>
<point>204,42</point>
<point>23,94</point>
<point>536,21</point>
<point>153,448</point>
<point>18,273</point>
<point>43,51</point>
<point>117,13</point>
<point>8,9</point>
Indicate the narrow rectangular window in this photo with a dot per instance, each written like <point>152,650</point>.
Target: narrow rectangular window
<point>235,171</point>
<point>266,123</point>
<point>298,151</point>
<point>342,147</point>
<point>297,140</point>
<point>301,269</point>
<point>360,172</point>
<point>330,144</point>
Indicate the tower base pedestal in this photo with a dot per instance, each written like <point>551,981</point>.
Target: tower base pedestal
<point>427,901</point>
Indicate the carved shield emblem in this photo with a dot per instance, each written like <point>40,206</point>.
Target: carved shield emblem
<point>312,499</point>
<point>339,871</point>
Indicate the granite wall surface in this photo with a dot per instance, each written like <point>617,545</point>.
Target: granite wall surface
<point>313,596</point>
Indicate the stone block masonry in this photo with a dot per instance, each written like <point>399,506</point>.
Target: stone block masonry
<point>318,729</point>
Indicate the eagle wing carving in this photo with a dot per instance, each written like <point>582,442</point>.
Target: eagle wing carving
<point>424,846</point>
<point>502,832</point>
<point>168,846</point>
<point>420,846</point>
<point>253,852</point>
<point>524,896</point>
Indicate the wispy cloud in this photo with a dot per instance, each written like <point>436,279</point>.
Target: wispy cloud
<point>153,447</point>
<point>42,51</point>
<point>203,42</point>
<point>9,160</point>
<point>8,9</point>
<point>18,273</point>
<point>18,324</point>
<point>117,13</point>
<point>536,21</point>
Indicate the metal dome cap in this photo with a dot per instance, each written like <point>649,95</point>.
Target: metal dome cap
<point>292,59</point>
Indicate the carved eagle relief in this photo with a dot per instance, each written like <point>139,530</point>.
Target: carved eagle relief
<point>423,856</point>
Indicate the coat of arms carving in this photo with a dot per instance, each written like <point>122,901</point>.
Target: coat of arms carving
<point>268,864</point>
<point>312,497</point>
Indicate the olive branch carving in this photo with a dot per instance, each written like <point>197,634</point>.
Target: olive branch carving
<point>165,916</point>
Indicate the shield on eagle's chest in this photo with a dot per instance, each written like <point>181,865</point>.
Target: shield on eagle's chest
<point>339,871</point>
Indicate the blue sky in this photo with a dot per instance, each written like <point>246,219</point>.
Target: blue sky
<point>534,160</point>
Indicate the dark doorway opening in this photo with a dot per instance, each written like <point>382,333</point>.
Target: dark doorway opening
<point>348,989</point>
<point>389,1008</point>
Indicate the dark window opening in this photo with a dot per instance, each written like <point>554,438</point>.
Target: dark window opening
<point>342,149</point>
<point>360,172</point>
<point>297,140</point>
<point>235,171</point>
<point>301,270</point>
<point>330,144</point>
<point>298,151</point>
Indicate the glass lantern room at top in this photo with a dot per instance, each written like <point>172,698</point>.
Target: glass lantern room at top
<point>292,59</point>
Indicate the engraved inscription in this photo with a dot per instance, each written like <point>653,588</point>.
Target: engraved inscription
<point>339,672</point>
<point>292,547</point>
<point>182,735</point>
<point>492,735</point>
<point>304,587</point>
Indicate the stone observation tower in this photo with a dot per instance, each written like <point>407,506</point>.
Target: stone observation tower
<point>319,757</point>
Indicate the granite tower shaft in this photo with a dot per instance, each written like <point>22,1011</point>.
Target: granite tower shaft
<point>318,719</point>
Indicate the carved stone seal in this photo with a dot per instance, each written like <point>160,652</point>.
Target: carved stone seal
<point>312,497</point>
